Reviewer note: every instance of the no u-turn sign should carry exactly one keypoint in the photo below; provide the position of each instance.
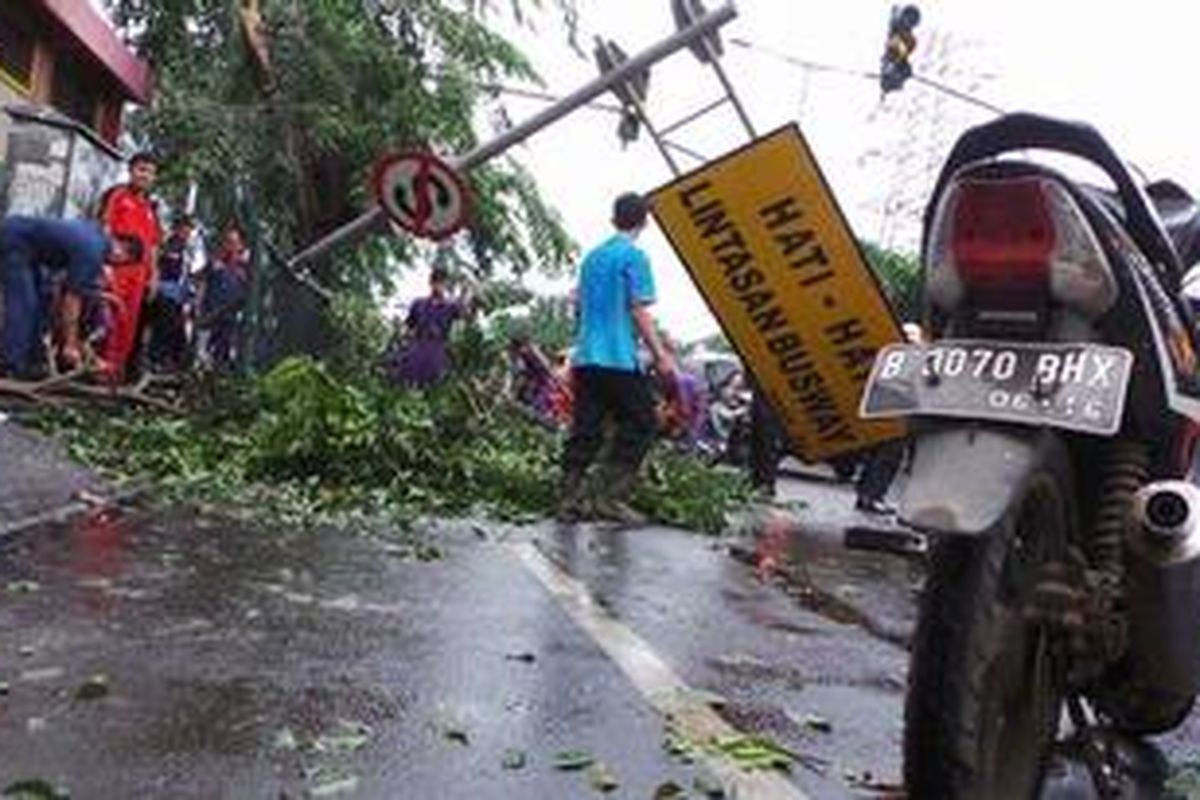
(422, 194)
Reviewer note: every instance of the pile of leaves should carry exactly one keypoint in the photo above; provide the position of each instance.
(302, 446)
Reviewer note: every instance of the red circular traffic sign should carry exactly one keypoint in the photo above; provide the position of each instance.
(422, 194)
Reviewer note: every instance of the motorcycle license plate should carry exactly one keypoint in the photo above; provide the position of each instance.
(1075, 386)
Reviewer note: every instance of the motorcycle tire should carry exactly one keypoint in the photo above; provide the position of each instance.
(1140, 710)
(984, 701)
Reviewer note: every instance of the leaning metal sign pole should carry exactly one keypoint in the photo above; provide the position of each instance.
(364, 225)
(708, 51)
(761, 234)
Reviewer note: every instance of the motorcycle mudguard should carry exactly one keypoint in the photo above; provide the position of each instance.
(964, 478)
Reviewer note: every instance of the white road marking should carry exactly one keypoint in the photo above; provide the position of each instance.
(655, 680)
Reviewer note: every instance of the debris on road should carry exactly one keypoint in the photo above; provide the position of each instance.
(456, 734)
(818, 723)
(514, 760)
(34, 790)
(94, 688)
(601, 778)
(347, 737)
(570, 760)
(755, 752)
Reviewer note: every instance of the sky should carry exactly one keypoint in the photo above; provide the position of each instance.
(1123, 68)
(1126, 69)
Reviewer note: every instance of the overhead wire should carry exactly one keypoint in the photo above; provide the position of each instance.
(817, 66)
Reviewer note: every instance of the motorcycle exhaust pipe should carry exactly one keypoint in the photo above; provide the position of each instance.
(1167, 523)
(1164, 585)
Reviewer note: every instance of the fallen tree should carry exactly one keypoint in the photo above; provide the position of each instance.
(306, 445)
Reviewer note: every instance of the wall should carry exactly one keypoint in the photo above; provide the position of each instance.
(7, 95)
(54, 168)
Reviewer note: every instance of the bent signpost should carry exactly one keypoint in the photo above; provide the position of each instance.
(369, 221)
(764, 240)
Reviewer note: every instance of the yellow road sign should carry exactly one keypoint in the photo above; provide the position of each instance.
(763, 238)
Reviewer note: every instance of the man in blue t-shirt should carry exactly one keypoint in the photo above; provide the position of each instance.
(30, 249)
(613, 297)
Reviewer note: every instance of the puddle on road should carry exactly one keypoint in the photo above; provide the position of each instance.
(801, 587)
(805, 575)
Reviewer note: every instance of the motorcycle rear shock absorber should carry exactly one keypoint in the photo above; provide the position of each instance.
(1125, 468)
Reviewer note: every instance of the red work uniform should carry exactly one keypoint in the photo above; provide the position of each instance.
(128, 213)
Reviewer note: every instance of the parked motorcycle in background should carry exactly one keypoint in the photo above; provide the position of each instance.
(1055, 413)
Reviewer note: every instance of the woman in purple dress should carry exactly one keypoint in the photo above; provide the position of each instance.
(426, 361)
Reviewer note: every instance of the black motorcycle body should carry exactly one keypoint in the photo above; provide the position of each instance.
(1055, 418)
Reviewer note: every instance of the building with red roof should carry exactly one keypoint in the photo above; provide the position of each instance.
(63, 54)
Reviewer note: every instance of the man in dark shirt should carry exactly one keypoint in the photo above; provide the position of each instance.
(32, 247)
(167, 309)
(224, 289)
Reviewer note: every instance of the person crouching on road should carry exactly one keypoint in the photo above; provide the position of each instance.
(615, 291)
(32, 247)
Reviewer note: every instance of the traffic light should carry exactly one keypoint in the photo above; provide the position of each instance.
(895, 68)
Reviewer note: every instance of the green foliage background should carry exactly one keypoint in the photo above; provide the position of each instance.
(290, 149)
(900, 275)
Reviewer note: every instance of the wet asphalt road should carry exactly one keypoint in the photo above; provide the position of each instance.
(160, 655)
(164, 655)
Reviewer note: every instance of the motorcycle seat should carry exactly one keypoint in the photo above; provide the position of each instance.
(1180, 214)
(1176, 209)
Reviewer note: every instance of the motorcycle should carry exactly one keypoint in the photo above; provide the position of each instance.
(1054, 413)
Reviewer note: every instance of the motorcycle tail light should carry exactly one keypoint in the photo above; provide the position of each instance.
(1011, 243)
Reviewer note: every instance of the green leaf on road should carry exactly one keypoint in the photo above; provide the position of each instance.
(34, 790)
(601, 778)
(285, 740)
(1184, 782)
(429, 552)
(709, 787)
(754, 752)
(669, 791)
(93, 688)
(680, 747)
(456, 734)
(348, 737)
(330, 783)
(514, 759)
(573, 760)
(818, 723)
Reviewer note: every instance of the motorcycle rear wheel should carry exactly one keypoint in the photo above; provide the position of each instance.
(985, 696)
(1142, 711)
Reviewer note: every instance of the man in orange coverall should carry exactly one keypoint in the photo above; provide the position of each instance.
(127, 210)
